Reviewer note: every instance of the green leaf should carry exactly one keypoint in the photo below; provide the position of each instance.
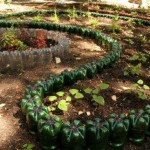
(63, 105)
(79, 95)
(125, 73)
(52, 98)
(60, 93)
(140, 82)
(104, 86)
(146, 87)
(88, 90)
(143, 97)
(95, 91)
(51, 108)
(73, 91)
(135, 86)
(68, 98)
(99, 99)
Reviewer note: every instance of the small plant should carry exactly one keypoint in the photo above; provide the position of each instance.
(21, 46)
(115, 27)
(38, 18)
(28, 146)
(140, 57)
(55, 18)
(39, 42)
(93, 23)
(133, 69)
(72, 13)
(64, 99)
(143, 39)
(94, 93)
(9, 41)
(88, 14)
(139, 89)
(130, 41)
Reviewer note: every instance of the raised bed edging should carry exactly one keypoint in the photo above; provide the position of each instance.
(31, 58)
(74, 135)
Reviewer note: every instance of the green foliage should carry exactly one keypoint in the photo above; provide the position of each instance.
(21, 46)
(60, 93)
(72, 13)
(115, 27)
(52, 98)
(73, 91)
(63, 105)
(93, 23)
(95, 93)
(130, 41)
(79, 95)
(55, 18)
(143, 39)
(140, 57)
(9, 41)
(98, 99)
(38, 18)
(28, 146)
(104, 86)
(139, 89)
(8, 38)
(133, 69)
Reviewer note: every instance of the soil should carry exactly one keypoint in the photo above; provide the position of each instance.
(13, 130)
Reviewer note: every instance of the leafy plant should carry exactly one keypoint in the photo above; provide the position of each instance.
(140, 57)
(60, 93)
(38, 18)
(9, 41)
(28, 146)
(73, 91)
(52, 98)
(139, 89)
(130, 41)
(143, 39)
(133, 69)
(94, 93)
(93, 23)
(72, 13)
(39, 42)
(63, 105)
(115, 27)
(55, 18)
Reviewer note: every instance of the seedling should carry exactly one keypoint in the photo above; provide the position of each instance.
(139, 89)
(93, 23)
(72, 13)
(55, 18)
(28, 146)
(133, 69)
(38, 18)
(140, 57)
(94, 93)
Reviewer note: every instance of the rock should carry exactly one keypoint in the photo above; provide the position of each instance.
(57, 60)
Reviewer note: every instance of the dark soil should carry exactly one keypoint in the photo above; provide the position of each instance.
(13, 130)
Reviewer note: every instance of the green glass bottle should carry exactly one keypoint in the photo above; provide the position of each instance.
(48, 131)
(119, 126)
(73, 135)
(139, 122)
(97, 134)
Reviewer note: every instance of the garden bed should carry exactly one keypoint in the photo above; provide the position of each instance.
(116, 98)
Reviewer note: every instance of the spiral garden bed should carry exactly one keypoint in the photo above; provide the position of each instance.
(114, 130)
